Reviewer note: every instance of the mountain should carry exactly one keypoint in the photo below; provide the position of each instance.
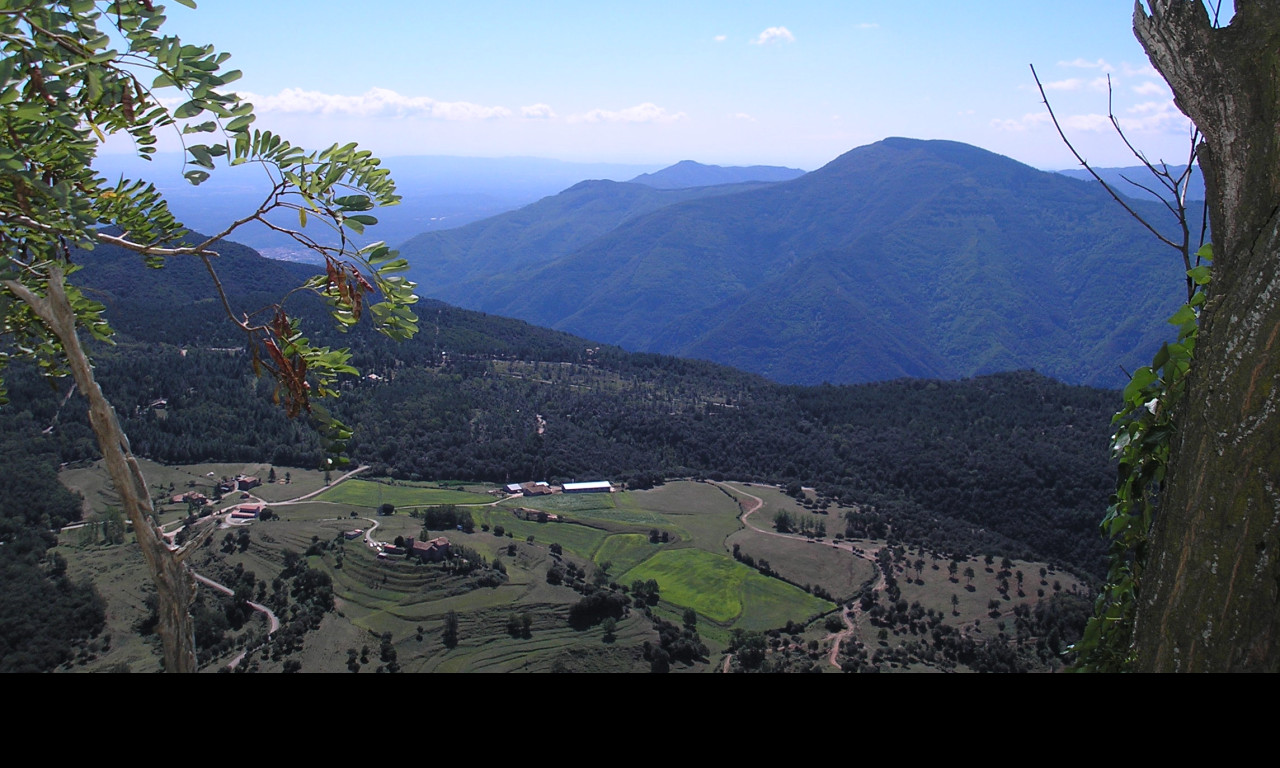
(1121, 180)
(688, 173)
(901, 258)
(539, 233)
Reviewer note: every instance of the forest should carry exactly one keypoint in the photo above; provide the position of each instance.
(1011, 464)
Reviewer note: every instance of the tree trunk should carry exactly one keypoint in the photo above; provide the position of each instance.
(1210, 595)
(175, 586)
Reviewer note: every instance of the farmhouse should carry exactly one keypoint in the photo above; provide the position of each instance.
(432, 551)
(246, 511)
(536, 489)
(598, 486)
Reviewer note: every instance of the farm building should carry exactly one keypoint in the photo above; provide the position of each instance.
(246, 511)
(599, 486)
(432, 551)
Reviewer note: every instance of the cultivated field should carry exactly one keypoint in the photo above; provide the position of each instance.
(393, 612)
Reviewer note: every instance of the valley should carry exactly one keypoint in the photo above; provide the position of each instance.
(871, 480)
(706, 546)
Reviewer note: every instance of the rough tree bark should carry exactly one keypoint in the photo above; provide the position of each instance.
(1210, 596)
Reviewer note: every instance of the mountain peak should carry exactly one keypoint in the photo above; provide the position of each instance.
(689, 173)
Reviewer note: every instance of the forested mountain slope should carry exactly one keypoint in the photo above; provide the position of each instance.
(905, 257)
(555, 226)
(1013, 463)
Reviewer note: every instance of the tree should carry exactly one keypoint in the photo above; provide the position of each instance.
(450, 634)
(63, 90)
(1212, 580)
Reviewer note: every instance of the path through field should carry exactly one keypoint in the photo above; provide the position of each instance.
(847, 614)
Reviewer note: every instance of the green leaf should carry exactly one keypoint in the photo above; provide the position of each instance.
(1141, 378)
(1199, 275)
(190, 109)
(1184, 315)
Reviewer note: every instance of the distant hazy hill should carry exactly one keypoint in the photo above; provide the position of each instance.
(1120, 180)
(902, 258)
(687, 173)
(439, 192)
(539, 233)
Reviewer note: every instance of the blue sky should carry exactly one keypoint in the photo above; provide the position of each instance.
(746, 82)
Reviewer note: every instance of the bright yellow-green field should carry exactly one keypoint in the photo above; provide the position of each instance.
(721, 589)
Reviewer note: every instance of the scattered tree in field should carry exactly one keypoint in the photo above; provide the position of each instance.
(450, 634)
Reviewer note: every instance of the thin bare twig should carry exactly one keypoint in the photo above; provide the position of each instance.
(1176, 186)
(1085, 163)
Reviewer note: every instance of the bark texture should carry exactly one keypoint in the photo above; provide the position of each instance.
(1210, 596)
(175, 585)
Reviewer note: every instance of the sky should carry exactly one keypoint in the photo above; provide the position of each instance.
(746, 82)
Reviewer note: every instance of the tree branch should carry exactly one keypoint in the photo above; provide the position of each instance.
(1085, 163)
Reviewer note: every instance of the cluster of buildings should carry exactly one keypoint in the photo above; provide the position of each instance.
(241, 483)
(544, 489)
(432, 551)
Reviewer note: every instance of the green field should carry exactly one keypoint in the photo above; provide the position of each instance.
(721, 589)
(373, 494)
(624, 551)
(408, 601)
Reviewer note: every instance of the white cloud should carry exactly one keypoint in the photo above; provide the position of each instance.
(1086, 64)
(721, 38)
(743, 116)
(641, 113)
(774, 35)
(1154, 116)
(1030, 120)
(1142, 70)
(538, 112)
(1149, 88)
(1091, 123)
(1151, 116)
(376, 102)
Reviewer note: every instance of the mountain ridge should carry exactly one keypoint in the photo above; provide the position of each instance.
(963, 260)
(689, 173)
